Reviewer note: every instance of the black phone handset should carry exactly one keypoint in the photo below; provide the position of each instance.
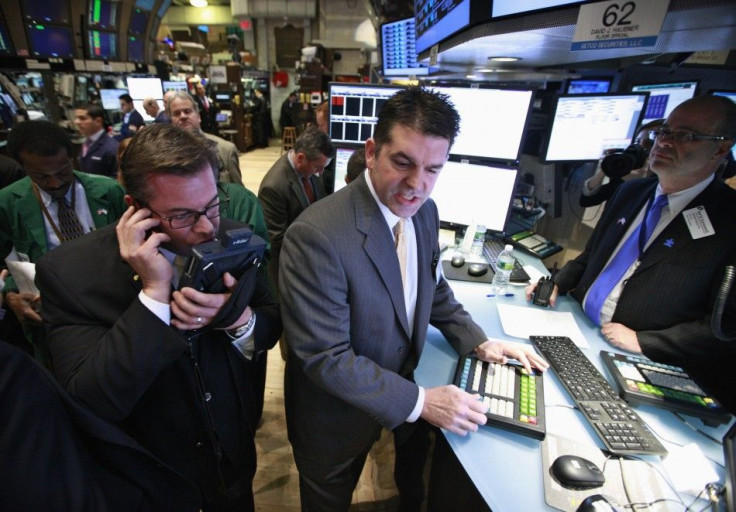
(721, 300)
(544, 289)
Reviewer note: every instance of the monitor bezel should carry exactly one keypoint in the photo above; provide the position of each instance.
(342, 147)
(32, 49)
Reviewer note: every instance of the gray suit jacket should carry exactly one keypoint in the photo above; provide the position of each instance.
(349, 371)
(229, 164)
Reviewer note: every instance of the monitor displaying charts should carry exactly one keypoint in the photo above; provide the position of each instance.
(398, 49)
(354, 110)
(663, 98)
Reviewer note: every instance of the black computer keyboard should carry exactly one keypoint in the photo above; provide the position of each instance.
(622, 430)
(492, 248)
(515, 399)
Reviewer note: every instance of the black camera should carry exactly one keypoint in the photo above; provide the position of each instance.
(236, 252)
(621, 162)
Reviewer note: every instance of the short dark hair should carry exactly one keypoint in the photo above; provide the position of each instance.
(42, 138)
(356, 164)
(94, 111)
(313, 143)
(127, 98)
(162, 149)
(423, 110)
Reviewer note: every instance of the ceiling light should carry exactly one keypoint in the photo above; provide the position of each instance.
(198, 3)
(502, 59)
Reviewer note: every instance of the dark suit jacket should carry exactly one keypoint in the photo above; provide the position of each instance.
(669, 299)
(208, 116)
(118, 358)
(101, 157)
(57, 455)
(282, 198)
(135, 119)
(351, 357)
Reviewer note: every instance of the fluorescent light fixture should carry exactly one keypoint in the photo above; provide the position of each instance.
(502, 59)
(198, 3)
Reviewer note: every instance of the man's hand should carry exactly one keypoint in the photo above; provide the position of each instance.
(621, 336)
(530, 292)
(139, 248)
(192, 309)
(498, 351)
(25, 306)
(453, 409)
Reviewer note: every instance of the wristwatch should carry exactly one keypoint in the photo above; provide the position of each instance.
(241, 331)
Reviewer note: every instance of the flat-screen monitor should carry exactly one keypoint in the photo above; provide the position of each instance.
(6, 45)
(469, 193)
(512, 7)
(174, 86)
(436, 21)
(102, 45)
(354, 109)
(588, 86)
(138, 21)
(164, 7)
(342, 155)
(103, 14)
(492, 121)
(584, 126)
(138, 105)
(50, 40)
(141, 88)
(223, 98)
(136, 49)
(49, 11)
(664, 97)
(730, 95)
(111, 98)
(146, 5)
(398, 49)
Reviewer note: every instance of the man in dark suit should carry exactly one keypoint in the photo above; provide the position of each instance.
(290, 186)
(207, 110)
(356, 318)
(661, 302)
(99, 154)
(170, 368)
(132, 119)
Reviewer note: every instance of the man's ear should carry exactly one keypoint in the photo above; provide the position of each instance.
(370, 153)
(130, 201)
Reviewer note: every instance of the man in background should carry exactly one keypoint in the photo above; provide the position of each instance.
(289, 108)
(356, 165)
(99, 151)
(150, 105)
(132, 119)
(183, 113)
(207, 109)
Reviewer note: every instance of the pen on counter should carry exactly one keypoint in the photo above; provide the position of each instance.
(500, 295)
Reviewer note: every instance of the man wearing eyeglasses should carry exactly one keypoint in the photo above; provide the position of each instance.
(46, 209)
(154, 361)
(650, 273)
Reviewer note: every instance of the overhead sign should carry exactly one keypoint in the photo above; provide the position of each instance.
(617, 24)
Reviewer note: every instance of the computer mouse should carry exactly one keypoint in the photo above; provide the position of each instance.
(596, 503)
(573, 472)
(458, 260)
(477, 269)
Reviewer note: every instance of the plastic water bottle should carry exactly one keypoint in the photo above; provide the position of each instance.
(504, 266)
(476, 249)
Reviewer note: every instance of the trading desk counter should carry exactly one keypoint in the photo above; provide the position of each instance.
(507, 467)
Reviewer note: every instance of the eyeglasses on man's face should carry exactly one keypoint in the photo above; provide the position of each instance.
(683, 136)
(191, 217)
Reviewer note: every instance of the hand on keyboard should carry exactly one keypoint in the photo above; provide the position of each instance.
(499, 351)
(453, 409)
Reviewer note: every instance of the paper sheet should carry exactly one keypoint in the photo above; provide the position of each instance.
(23, 273)
(523, 321)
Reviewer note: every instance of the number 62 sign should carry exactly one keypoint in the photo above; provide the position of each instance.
(619, 24)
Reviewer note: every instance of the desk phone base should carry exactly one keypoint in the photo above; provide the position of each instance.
(622, 430)
(515, 399)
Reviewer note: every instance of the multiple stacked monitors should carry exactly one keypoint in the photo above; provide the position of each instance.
(492, 121)
(588, 86)
(342, 155)
(398, 49)
(584, 126)
(663, 98)
(111, 98)
(354, 109)
(468, 193)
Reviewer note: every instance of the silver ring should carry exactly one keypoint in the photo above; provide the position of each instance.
(199, 320)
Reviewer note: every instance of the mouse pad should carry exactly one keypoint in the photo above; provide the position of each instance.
(642, 481)
(461, 273)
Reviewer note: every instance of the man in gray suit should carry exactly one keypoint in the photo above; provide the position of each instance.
(356, 327)
(183, 112)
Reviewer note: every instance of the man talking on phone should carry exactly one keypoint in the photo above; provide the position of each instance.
(158, 362)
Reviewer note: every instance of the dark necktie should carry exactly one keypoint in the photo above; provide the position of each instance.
(622, 261)
(69, 224)
(307, 183)
(85, 147)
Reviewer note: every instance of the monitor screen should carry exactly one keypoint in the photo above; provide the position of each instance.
(663, 98)
(354, 109)
(146, 5)
(492, 121)
(469, 193)
(138, 104)
(511, 7)
(56, 11)
(136, 49)
(436, 21)
(174, 86)
(111, 98)
(583, 126)
(342, 155)
(50, 40)
(138, 21)
(398, 49)
(102, 45)
(6, 45)
(732, 96)
(103, 14)
(142, 88)
(164, 7)
(588, 86)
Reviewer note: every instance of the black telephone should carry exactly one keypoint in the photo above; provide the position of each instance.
(544, 289)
